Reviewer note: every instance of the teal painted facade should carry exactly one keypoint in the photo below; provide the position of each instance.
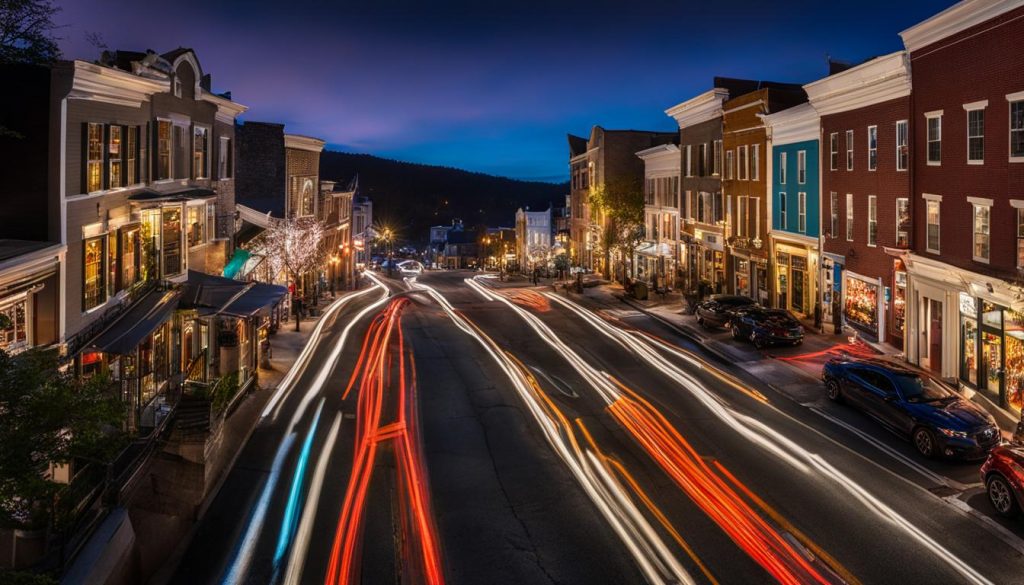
(786, 194)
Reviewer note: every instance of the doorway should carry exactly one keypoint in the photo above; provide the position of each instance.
(931, 335)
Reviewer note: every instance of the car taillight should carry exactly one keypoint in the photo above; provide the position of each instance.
(778, 331)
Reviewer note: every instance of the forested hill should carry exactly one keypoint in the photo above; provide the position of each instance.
(412, 197)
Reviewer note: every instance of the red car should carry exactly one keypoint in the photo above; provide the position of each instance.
(1003, 474)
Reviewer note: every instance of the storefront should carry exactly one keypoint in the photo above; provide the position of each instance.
(741, 274)
(898, 322)
(711, 261)
(861, 302)
(992, 350)
(794, 284)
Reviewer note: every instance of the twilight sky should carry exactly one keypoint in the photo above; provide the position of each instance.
(482, 85)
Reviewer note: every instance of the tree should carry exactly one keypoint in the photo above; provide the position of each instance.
(621, 203)
(26, 32)
(49, 417)
(294, 246)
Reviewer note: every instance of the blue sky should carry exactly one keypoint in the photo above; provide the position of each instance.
(487, 86)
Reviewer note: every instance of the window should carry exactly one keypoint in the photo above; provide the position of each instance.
(716, 168)
(129, 256)
(801, 211)
(834, 219)
(729, 161)
(982, 220)
(849, 217)
(224, 158)
(782, 211)
(93, 286)
(171, 241)
(1017, 130)
(199, 152)
(801, 167)
(132, 153)
(177, 87)
(196, 225)
(782, 168)
(94, 162)
(163, 149)
(833, 148)
(976, 136)
(902, 222)
(934, 138)
(849, 150)
(1020, 238)
(741, 161)
(15, 334)
(902, 150)
(872, 148)
(114, 156)
(872, 220)
(702, 160)
(112, 264)
(932, 216)
(689, 160)
(755, 162)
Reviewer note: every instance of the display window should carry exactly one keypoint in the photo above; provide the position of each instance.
(742, 268)
(899, 301)
(1013, 372)
(861, 306)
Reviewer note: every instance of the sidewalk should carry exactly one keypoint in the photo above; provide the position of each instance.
(795, 371)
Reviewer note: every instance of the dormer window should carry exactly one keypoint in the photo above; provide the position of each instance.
(177, 87)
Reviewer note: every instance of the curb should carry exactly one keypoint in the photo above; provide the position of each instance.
(703, 342)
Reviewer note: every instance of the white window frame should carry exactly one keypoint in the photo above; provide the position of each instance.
(1011, 99)
(849, 217)
(928, 117)
(872, 220)
(1018, 208)
(755, 162)
(834, 214)
(979, 203)
(801, 211)
(177, 86)
(904, 124)
(849, 150)
(730, 164)
(782, 168)
(833, 151)
(968, 109)
(716, 163)
(801, 167)
(689, 160)
(872, 148)
(782, 211)
(207, 134)
(905, 201)
(170, 151)
(742, 163)
(937, 201)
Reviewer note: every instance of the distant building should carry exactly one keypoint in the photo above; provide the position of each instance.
(659, 253)
(362, 228)
(533, 239)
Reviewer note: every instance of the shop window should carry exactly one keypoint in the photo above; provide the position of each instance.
(94, 162)
(1017, 131)
(93, 287)
(902, 222)
(1014, 358)
(872, 148)
(899, 299)
(833, 148)
(982, 220)
(13, 329)
(872, 220)
(171, 241)
(968, 340)
(849, 150)
(1020, 237)
(976, 136)
(782, 168)
(862, 303)
(902, 146)
(114, 156)
(199, 152)
(932, 236)
(934, 130)
(163, 149)
(149, 242)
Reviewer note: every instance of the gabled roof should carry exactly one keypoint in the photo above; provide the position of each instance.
(577, 145)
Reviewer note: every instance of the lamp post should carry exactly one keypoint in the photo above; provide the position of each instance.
(387, 236)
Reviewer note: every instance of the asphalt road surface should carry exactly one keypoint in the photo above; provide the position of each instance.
(460, 429)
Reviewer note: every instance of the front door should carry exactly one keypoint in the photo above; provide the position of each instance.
(935, 336)
(797, 300)
(991, 362)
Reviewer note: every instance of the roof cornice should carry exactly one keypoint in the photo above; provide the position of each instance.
(658, 151)
(706, 106)
(227, 110)
(796, 124)
(106, 84)
(957, 18)
(876, 81)
(300, 142)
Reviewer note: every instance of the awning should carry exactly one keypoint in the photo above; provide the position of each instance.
(216, 295)
(127, 332)
(177, 195)
(247, 232)
(661, 249)
(236, 263)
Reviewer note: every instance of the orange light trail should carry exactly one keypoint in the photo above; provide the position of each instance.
(374, 372)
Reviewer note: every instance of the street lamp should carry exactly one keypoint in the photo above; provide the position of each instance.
(387, 235)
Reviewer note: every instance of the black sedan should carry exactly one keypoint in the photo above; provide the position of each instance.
(719, 310)
(764, 326)
(913, 404)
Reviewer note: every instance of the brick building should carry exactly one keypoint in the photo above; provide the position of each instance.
(607, 157)
(746, 183)
(865, 188)
(966, 297)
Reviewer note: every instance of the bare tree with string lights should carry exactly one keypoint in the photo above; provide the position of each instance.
(294, 246)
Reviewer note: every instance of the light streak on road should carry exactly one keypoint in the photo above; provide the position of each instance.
(373, 370)
(243, 555)
(290, 521)
(657, 563)
(766, 437)
(297, 558)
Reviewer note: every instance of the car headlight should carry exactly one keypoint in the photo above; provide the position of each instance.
(952, 433)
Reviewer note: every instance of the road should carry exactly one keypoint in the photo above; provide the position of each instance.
(456, 429)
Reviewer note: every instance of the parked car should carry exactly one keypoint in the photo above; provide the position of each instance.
(1003, 474)
(719, 310)
(764, 326)
(914, 404)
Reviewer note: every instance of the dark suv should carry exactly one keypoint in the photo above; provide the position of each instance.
(913, 404)
(719, 310)
(764, 326)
